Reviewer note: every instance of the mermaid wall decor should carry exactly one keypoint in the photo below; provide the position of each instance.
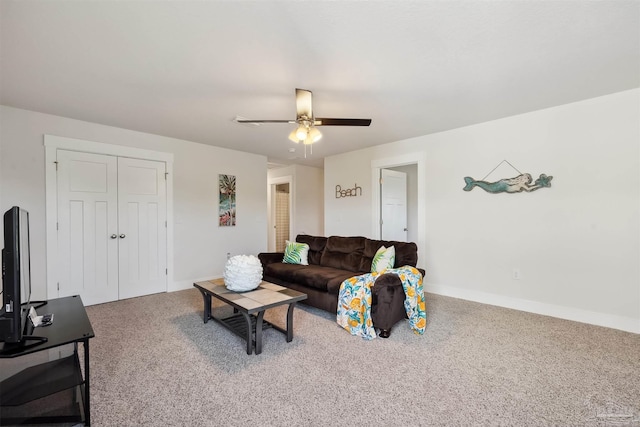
(517, 184)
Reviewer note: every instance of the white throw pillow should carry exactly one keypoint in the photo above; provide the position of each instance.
(384, 259)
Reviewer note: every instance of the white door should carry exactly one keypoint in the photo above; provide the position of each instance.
(111, 226)
(393, 197)
(142, 227)
(87, 226)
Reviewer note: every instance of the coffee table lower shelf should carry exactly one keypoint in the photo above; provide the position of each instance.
(237, 323)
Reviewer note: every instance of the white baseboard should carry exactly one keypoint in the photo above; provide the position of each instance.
(627, 324)
(188, 284)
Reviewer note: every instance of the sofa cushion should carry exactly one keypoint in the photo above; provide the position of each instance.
(323, 278)
(313, 276)
(280, 270)
(333, 285)
(316, 246)
(344, 253)
(406, 253)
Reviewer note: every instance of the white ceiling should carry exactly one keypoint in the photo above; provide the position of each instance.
(186, 69)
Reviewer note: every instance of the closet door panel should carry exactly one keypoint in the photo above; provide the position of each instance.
(142, 225)
(87, 221)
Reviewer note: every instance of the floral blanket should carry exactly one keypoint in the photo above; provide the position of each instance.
(354, 302)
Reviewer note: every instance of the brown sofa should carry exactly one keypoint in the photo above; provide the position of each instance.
(335, 259)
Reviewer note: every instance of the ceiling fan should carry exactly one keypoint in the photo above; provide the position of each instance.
(306, 132)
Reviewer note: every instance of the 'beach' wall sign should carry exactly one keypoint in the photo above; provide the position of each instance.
(348, 192)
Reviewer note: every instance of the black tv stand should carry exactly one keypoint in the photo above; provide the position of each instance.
(15, 348)
(18, 347)
(37, 304)
(60, 375)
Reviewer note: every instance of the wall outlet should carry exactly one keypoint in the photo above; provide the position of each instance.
(515, 274)
(228, 255)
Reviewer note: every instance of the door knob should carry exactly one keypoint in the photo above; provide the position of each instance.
(113, 236)
(122, 236)
(404, 229)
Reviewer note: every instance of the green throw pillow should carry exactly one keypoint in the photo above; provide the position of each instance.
(383, 259)
(296, 253)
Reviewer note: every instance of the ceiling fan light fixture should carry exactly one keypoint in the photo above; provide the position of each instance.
(293, 136)
(314, 135)
(302, 132)
(306, 131)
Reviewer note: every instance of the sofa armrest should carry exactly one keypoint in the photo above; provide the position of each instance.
(387, 305)
(267, 258)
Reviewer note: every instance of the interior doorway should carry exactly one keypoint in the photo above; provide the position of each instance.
(280, 192)
(108, 220)
(111, 226)
(282, 218)
(414, 165)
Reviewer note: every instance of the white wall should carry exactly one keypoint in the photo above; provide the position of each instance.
(576, 244)
(348, 216)
(309, 206)
(306, 198)
(200, 246)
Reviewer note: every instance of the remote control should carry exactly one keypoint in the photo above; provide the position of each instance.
(47, 319)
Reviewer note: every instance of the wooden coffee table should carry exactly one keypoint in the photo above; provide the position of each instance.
(249, 307)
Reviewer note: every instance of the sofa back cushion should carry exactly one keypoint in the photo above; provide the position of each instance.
(316, 247)
(406, 253)
(345, 253)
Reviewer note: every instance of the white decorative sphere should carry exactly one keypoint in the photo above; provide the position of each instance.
(242, 273)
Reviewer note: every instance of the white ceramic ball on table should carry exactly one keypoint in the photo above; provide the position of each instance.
(242, 273)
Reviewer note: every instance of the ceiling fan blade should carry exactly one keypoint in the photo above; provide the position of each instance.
(342, 122)
(264, 121)
(304, 115)
(303, 103)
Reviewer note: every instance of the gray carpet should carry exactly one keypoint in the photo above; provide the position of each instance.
(154, 362)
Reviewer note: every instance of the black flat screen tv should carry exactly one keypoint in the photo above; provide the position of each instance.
(16, 278)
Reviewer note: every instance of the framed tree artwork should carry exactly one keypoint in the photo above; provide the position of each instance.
(227, 204)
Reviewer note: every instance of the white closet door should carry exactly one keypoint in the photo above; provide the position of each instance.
(87, 226)
(142, 207)
(393, 188)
